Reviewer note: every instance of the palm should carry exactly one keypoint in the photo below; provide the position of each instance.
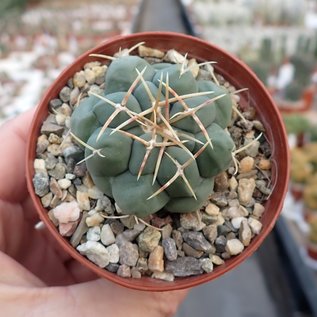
(29, 257)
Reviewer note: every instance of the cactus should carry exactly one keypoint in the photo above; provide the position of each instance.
(156, 137)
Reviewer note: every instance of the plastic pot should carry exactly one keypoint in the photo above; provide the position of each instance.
(239, 75)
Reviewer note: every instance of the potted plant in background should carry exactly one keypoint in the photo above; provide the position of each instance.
(172, 149)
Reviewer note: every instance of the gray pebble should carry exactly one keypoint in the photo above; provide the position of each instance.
(41, 184)
(207, 265)
(184, 266)
(114, 255)
(190, 221)
(177, 236)
(132, 234)
(197, 241)
(74, 152)
(210, 232)
(220, 244)
(129, 254)
(49, 127)
(104, 204)
(170, 250)
(112, 267)
(59, 171)
(65, 94)
(135, 273)
(116, 226)
(93, 233)
(80, 231)
(189, 251)
(55, 103)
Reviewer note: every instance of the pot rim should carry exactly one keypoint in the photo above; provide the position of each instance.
(145, 283)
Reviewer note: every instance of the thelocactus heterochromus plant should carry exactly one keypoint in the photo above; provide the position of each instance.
(157, 136)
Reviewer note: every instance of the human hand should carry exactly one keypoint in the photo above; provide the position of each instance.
(37, 278)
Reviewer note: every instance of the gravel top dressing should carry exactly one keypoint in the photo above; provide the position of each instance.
(155, 236)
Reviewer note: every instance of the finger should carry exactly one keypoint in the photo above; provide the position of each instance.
(13, 137)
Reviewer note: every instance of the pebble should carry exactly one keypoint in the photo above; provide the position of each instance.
(219, 199)
(128, 222)
(207, 219)
(145, 51)
(234, 212)
(246, 164)
(132, 234)
(114, 254)
(95, 252)
(74, 96)
(220, 244)
(65, 109)
(212, 209)
(142, 265)
(50, 161)
(46, 200)
(207, 265)
(54, 149)
(170, 249)
(93, 233)
(236, 222)
(245, 233)
(163, 276)
(104, 204)
(39, 165)
(64, 183)
(210, 232)
(149, 239)
(184, 266)
(189, 251)
(129, 254)
(87, 181)
(41, 183)
(67, 212)
(80, 231)
(264, 164)
(167, 231)
(190, 221)
(233, 184)
(112, 267)
(67, 229)
(55, 103)
(60, 119)
(193, 67)
(253, 149)
(124, 271)
(258, 210)
(234, 246)
(64, 94)
(197, 241)
(135, 273)
(55, 201)
(79, 79)
(42, 144)
(255, 225)
(59, 171)
(49, 127)
(116, 226)
(90, 76)
(80, 170)
(55, 139)
(177, 236)
(83, 200)
(217, 260)
(156, 262)
(221, 182)
(73, 151)
(261, 186)
(94, 220)
(107, 237)
(174, 57)
(245, 190)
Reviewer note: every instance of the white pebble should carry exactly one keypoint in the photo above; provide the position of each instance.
(113, 251)
(39, 165)
(95, 252)
(93, 234)
(255, 225)
(234, 246)
(95, 220)
(236, 222)
(107, 236)
(64, 183)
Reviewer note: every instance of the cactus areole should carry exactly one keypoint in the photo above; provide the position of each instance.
(156, 138)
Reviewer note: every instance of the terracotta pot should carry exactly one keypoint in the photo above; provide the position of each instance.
(237, 74)
(312, 250)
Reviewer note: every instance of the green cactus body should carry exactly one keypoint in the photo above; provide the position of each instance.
(156, 138)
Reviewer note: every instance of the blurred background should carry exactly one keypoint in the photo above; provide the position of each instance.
(276, 38)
